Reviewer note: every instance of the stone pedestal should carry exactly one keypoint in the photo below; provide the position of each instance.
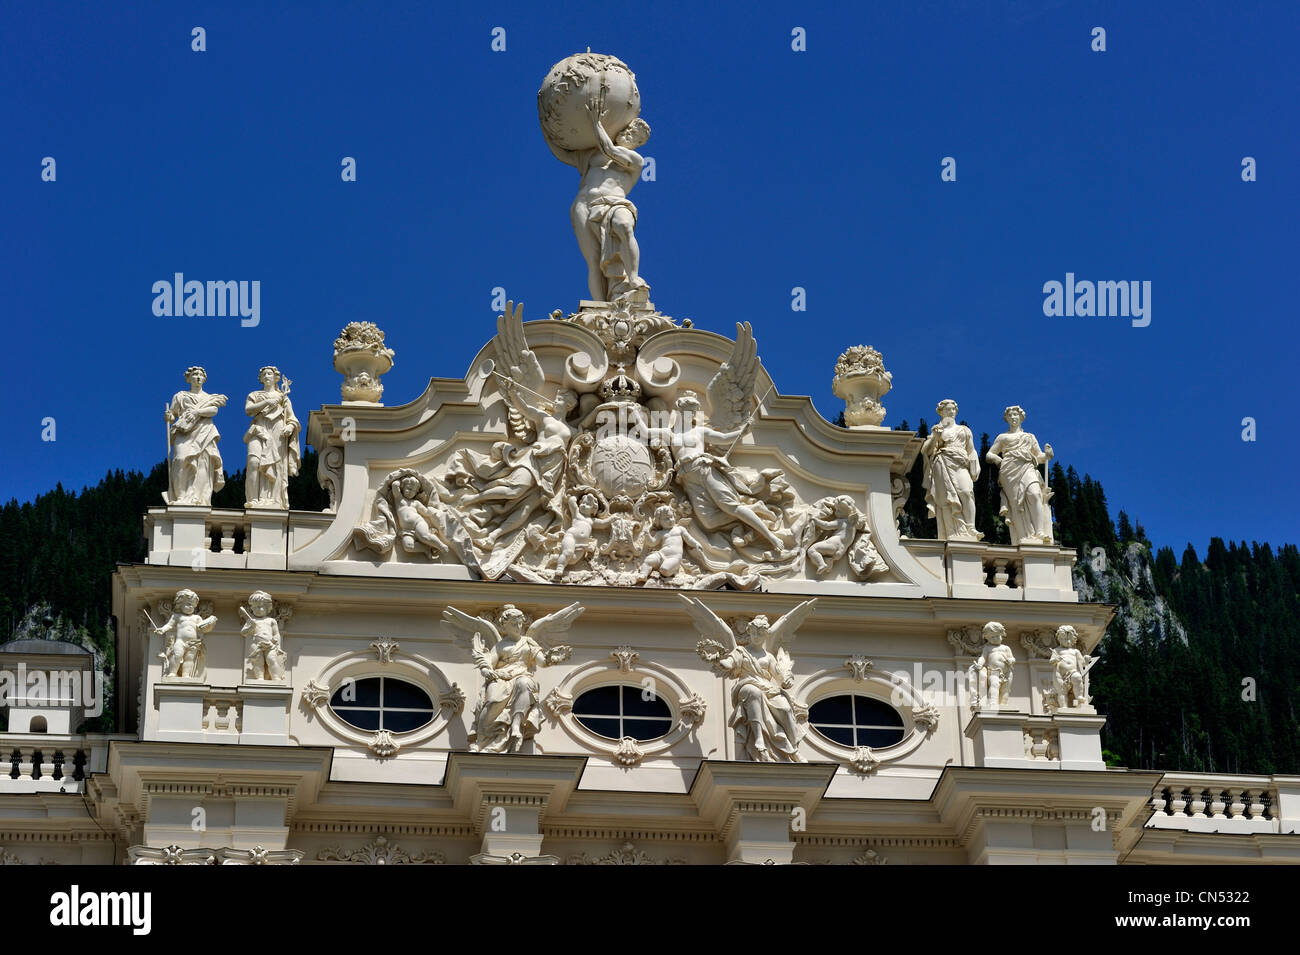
(180, 711)
(266, 713)
(1039, 563)
(999, 738)
(1080, 739)
(268, 539)
(189, 540)
(966, 569)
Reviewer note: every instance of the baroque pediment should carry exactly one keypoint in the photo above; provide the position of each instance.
(613, 446)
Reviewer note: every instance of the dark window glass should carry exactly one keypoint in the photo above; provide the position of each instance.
(835, 709)
(382, 703)
(607, 728)
(357, 693)
(857, 721)
(634, 703)
(403, 721)
(406, 696)
(361, 719)
(602, 701)
(869, 711)
(618, 711)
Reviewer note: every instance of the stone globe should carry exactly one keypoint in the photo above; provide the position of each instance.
(578, 81)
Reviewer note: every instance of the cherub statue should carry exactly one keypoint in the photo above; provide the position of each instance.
(508, 711)
(579, 538)
(764, 714)
(183, 656)
(266, 657)
(989, 677)
(668, 542)
(838, 518)
(1069, 670)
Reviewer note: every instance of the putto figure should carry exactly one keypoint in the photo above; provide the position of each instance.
(988, 679)
(1024, 494)
(182, 655)
(272, 439)
(769, 724)
(266, 656)
(1070, 668)
(195, 470)
(507, 656)
(951, 468)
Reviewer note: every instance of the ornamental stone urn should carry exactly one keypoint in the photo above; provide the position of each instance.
(861, 380)
(361, 358)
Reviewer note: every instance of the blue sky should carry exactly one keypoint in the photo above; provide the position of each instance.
(774, 169)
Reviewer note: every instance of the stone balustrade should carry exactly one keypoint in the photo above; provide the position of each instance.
(35, 762)
(204, 537)
(1224, 803)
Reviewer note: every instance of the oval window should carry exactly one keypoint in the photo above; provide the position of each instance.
(852, 720)
(382, 703)
(615, 712)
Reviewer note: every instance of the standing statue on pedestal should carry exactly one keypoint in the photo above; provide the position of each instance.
(599, 93)
(508, 711)
(1070, 668)
(1024, 490)
(765, 716)
(951, 468)
(266, 656)
(988, 679)
(272, 439)
(194, 472)
(182, 655)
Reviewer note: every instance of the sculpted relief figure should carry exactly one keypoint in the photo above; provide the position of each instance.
(508, 654)
(1024, 493)
(769, 724)
(604, 219)
(988, 679)
(951, 468)
(195, 471)
(1070, 668)
(182, 654)
(410, 508)
(266, 657)
(722, 497)
(272, 439)
(500, 492)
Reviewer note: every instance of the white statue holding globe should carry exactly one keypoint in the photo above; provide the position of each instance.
(589, 109)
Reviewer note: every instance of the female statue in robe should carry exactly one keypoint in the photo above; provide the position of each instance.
(272, 439)
(1024, 495)
(951, 467)
(195, 468)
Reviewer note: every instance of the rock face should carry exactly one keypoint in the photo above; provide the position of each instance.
(1130, 585)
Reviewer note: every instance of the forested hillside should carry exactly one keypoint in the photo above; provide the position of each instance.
(1200, 669)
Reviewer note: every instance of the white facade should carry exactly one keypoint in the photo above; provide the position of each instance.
(217, 765)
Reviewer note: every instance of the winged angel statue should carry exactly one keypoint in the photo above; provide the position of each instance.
(519, 481)
(769, 723)
(508, 655)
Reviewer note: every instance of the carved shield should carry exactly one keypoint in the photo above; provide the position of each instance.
(621, 465)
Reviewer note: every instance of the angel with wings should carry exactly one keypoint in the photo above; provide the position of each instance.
(507, 656)
(720, 496)
(764, 714)
(517, 479)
